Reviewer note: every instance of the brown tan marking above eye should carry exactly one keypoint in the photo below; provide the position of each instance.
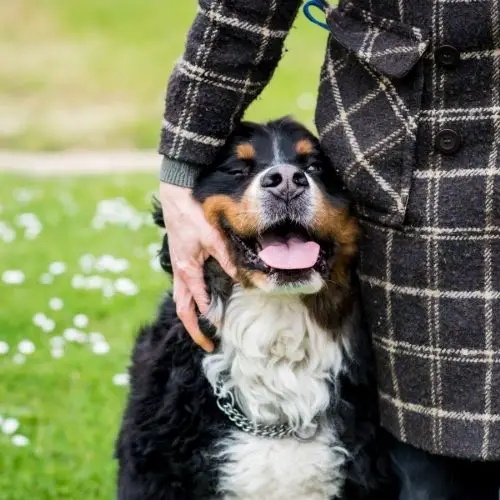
(304, 147)
(245, 151)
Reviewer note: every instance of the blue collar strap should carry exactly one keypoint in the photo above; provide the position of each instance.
(318, 4)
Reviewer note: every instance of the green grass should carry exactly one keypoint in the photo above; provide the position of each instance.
(91, 74)
(68, 407)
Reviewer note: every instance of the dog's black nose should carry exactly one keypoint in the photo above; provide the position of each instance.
(285, 182)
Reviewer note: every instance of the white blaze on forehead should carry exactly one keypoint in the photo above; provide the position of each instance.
(278, 156)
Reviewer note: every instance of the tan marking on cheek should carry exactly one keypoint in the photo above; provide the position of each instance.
(245, 151)
(337, 224)
(242, 216)
(253, 279)
(304, 147)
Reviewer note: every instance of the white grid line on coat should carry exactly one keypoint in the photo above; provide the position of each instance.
(436, 412)
(463, 118)
(457, 172)
(234, 22)
(488, 271)
(397, 104)
(429, 212)
(448, 111)
(430, 292)
(192, 136)
(442, 233)
(436, 245)
(213, 83)
(191, 96)
(390, 326)
(214, 77)
(350, 111)
(462, 353)
(401, 350)
(260, 55)
(384, 185)
(379, 149)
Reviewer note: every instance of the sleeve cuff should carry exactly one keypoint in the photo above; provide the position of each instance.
(178, 173)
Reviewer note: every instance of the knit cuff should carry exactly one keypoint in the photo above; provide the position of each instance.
(178, 173)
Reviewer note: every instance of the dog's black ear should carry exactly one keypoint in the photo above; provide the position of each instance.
(157, 212)
(165, 261)
(164, 254)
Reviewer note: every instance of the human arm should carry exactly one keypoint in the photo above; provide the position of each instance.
(231, 52)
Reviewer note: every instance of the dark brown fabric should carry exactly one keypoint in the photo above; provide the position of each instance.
(430, 250)
(231, 53)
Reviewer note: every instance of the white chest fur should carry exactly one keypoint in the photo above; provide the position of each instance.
(258, 468)
(279, 363)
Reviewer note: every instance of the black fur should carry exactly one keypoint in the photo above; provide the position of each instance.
(172, 422)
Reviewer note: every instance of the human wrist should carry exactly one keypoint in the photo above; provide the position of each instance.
(178, 173)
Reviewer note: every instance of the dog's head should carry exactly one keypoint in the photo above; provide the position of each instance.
(277, 202)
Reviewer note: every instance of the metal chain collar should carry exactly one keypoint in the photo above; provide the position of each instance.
(226, 403)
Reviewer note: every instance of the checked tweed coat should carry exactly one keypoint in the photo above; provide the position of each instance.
(409, 114)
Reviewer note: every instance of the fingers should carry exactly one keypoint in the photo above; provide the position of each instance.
(191, 274)
(216, 247)
(187, 314)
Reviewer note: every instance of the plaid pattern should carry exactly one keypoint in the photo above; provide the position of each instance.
(430, 252)
(232, 50)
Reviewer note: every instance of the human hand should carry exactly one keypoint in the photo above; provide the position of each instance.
(191, 241)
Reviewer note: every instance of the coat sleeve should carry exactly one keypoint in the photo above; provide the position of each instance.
(232, 50)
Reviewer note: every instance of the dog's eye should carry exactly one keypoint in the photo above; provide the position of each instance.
(240, 170)
(314, 168)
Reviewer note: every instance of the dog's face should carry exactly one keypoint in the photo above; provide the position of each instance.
(276, 200)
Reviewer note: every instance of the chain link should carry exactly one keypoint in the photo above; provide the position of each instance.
(226, 403)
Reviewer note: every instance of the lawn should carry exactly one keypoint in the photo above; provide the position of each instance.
(91, 74)
(68, 407)
(88, 75)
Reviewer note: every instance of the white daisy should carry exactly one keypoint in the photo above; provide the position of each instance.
(57, 352)
(71, 334)
(20, 440)
(4, 347)
(121, 379)
(39, 319)
(48, 325)
(100, 348)
(7, 234)
(57, 268)
(10, 425)
(13, 277)
(126, 286)
(56, 304)
(81, 321)
(26, 347)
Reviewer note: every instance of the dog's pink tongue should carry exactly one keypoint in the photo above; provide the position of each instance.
(290, 253)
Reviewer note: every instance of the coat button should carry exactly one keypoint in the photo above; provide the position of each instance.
(447, 56)
(448, 141)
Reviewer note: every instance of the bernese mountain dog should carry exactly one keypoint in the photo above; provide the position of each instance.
(285, 408)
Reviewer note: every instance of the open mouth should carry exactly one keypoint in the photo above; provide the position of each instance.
(285, 248)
